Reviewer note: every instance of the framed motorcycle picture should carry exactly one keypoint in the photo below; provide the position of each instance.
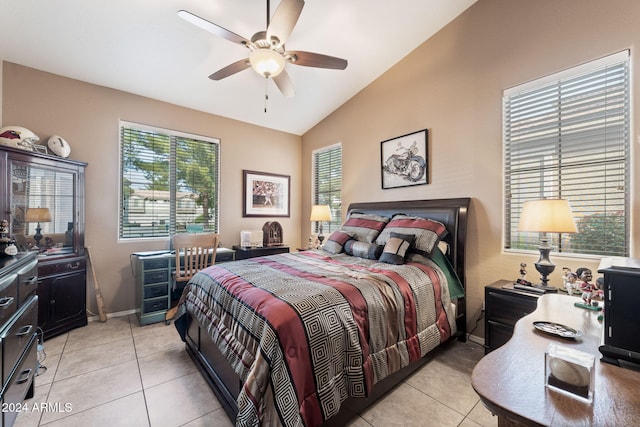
(405, 160)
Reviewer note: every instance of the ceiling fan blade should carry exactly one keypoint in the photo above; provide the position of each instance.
(284, 19)
(213, 28)
(284, 83)
(310, 59)
(230, 69)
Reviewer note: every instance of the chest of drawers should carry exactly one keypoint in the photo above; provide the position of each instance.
(504, 306)
(154, 290)
(18, 337)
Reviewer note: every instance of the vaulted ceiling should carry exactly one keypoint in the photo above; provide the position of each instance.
(143, 47)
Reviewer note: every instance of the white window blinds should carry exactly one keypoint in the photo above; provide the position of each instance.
(168, 181)
(567, 136)
(327, 184)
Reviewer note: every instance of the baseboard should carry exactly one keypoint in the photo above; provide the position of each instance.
(95, 318)
(476, 339)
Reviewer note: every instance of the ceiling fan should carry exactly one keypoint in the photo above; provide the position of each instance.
(268, 55)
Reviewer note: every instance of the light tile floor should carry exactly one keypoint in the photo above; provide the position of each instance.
(121, 374)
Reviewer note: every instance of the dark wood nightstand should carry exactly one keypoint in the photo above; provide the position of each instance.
(504, 306)
(244, 253)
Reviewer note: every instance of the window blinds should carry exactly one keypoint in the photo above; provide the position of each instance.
(327, 184)
(568, 137)
(168, 180)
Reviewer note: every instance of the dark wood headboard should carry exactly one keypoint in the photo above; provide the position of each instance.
(451, 212)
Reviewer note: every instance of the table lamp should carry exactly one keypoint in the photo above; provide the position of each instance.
(546, 216)
(38, 215)
(320, 213)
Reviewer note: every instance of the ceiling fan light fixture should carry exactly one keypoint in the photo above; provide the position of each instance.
(266, 62)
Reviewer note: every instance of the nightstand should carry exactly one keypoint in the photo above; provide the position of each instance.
(504, 306)
(245, 253)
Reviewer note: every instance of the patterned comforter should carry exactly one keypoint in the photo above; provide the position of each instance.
(304, 331)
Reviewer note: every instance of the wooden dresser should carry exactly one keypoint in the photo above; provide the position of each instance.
(42, 182)
(18, 336)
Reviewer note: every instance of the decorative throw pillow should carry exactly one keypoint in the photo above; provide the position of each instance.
(335, 242)
(363, 249)
(427, 232)
(365, 227)
(396, 248)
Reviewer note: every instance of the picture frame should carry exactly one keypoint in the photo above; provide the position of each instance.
(405, 160)
(266, 194)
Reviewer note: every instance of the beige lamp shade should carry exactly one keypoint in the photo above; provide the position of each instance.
(547, 216)
(38, 215)
(320, 213)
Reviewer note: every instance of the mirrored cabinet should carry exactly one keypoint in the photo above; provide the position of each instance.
(43, 201)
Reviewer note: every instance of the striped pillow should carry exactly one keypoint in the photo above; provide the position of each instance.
(363, 249)
(335, 242)
(427, 232)
(396, 248)
(365, 227)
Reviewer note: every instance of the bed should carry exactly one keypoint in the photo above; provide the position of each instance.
(314, 337)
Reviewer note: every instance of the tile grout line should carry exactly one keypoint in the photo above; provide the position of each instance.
(135, 351)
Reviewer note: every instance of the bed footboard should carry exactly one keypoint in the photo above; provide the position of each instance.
(215, 369)
(226, 384)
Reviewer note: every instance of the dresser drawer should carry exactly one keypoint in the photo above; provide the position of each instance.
(56, 267)
(8, 297)
(20, 381)
(508, 309)
(497, 334)
(154, 291)
(27, 281)
(158, 276)
(16, 335)
(155, 264)
(155, 305)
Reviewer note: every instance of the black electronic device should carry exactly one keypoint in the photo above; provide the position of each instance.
(525, 285)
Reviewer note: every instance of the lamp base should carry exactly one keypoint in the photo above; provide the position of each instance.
(544, 264)
(38, 236)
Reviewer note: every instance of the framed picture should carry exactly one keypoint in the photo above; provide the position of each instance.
(265, 194)
(404, 160)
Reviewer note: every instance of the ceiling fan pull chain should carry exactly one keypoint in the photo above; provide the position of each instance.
(266, 95)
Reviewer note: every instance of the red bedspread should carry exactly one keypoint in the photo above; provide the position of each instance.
(305, 331)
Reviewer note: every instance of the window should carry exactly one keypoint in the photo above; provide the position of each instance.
(327, 184)
(168, 180)
(567, 136)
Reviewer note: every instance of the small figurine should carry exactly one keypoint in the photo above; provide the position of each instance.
(586, 286)
(571, 280)
(523, 271)
(7, 243)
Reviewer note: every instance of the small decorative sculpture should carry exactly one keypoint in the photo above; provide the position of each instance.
(569, 279)
(586, 286)
(272, 234)
(7, 243)
(523, 271)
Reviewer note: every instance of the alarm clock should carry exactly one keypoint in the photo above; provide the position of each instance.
(59, 146)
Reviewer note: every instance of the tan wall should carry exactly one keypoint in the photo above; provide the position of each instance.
(87, 116)
(452, 85)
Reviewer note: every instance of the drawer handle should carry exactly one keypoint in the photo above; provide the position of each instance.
(25, 330)
(6, 302)
(24, 376)
(73, 266)
(31, 280)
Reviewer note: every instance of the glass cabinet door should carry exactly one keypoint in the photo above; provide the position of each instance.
(42, 207)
